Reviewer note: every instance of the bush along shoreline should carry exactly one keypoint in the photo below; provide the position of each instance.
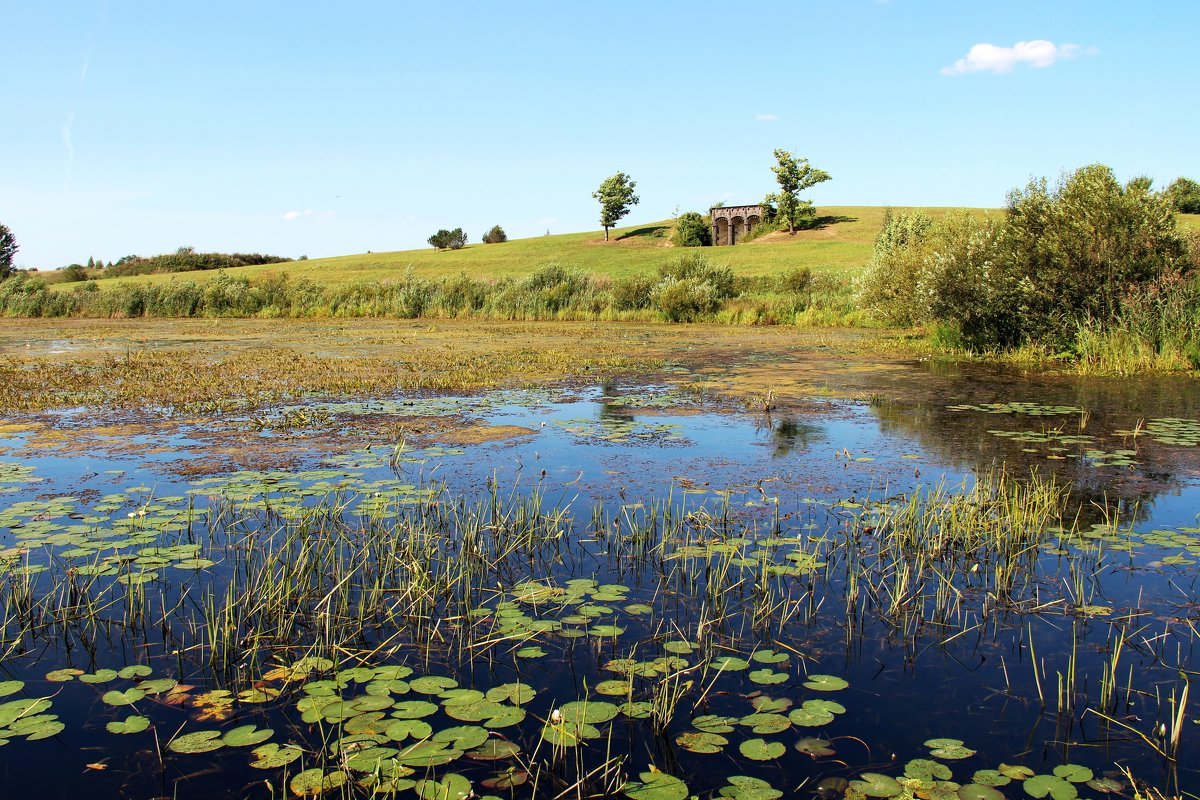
(686, 289)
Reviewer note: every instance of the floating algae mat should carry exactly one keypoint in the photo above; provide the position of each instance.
(646, 594)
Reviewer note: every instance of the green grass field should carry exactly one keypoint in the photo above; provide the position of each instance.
(842, 243)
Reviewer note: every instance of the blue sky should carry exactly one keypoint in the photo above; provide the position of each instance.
(304, 128)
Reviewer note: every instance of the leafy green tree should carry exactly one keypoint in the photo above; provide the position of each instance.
(616, 198)
(448, 240)
(495, 235)
(692, 230)
(1184, 195)
(1078, 248)
(8, 251)
(794, 175)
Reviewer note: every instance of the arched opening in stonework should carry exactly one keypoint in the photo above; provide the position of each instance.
(737, 230)
(751, 222)
(722, 233)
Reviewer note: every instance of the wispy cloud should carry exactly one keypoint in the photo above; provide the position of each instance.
(1039, 53)
(307, 213)
(766, 117)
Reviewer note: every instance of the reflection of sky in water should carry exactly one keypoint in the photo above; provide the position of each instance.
(839, 451)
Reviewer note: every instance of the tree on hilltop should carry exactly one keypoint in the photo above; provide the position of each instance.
(616, 198)
(448, 240)
(8, 251)
(1184, 195)
(495, 235)
(794, 176)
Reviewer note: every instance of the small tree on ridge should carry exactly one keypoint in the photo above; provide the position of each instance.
(616, 197)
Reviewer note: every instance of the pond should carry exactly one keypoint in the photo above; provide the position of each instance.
(977, 584)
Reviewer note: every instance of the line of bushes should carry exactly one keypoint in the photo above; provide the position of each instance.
(1088, 270)
(686, 289)
(185, 259)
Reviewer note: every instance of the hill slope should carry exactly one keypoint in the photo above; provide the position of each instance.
(842, 242)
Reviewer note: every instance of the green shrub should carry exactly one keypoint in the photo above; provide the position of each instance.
(696, 268)
(893, 283)
(692, 230)
(495, 235)
(632, 293)
(1184, 195)
(448, 240)
(685, 299)
(797, 280)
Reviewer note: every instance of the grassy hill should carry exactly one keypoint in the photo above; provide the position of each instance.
(841, 243)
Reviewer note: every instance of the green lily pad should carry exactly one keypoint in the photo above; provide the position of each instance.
(743, 787)
(976, 791)
(614, 688)
(428, 754)
(125, 698)
(462, 737)
(592, 712)
(273, 756)
(316, 782)
(1015, 771)
(134, 671)
(450, 787)
(131, 724)
(10, 687)
(400, 729)
(656, 786)
(246, 736)
(826, 683)
(432, 684)
(817, 748)
(413, 709)
(495, 750)
(99, 676)
(568, 734)
(729, 664)
(766, 723)
(515, 693)
(769, 657)
(1040, 786)
(714, 723)
(761, 749)
(924, 769)
(61, 675)
(198, 742)
(638, 709)
(991, 777)
(1107, 785)
(874, 784)
(1073, 773)
(768, 676)
(701, 742)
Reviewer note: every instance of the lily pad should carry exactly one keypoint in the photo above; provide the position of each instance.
(246, 736)
(976, 791)
(125, 698)
(316, 782)
(701, 742)
(273, 756)
(875, 784)
(198, 742)
(1073, 773)
(761, 749)
(131, 724)
(826, 683)
(656, 786)
(817, 748)
(1040, 786)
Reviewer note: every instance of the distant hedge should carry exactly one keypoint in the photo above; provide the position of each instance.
(185, 260)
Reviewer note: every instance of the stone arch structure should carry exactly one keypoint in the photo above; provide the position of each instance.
(730, 224)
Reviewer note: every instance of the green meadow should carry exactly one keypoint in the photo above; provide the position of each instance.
(841, 244)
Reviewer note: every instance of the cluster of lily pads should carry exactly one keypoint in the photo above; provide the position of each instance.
(612, 430)
(1169, 430)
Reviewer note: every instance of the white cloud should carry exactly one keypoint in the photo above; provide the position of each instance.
(986, 57)
(307, 213)
(766, 117)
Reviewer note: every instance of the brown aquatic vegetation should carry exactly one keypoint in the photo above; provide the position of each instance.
(204, 366)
